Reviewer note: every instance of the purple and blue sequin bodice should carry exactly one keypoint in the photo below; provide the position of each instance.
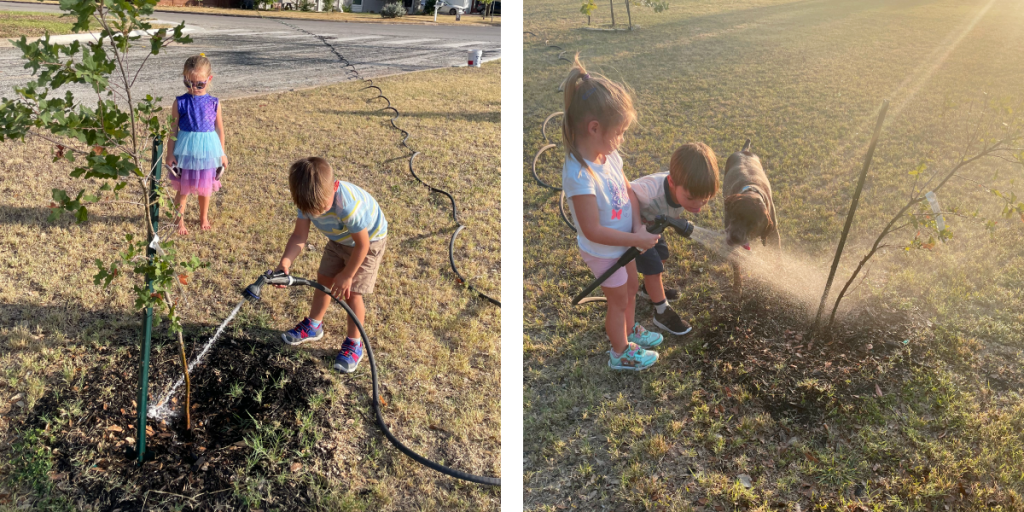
(197, 113)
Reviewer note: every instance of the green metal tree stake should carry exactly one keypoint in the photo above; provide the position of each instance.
(154, 214)
(849, 216)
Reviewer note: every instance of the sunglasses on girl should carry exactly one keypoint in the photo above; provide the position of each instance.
(196, 84)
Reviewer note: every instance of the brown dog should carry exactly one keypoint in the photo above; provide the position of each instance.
(749, 210)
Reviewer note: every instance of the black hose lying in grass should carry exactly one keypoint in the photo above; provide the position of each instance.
(380, 94)
(252, 293)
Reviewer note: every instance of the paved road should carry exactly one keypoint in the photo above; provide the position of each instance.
(257, 56)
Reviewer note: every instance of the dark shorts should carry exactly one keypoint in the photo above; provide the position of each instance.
(649, 262)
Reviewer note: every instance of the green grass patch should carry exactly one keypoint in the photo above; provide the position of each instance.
(14, 24)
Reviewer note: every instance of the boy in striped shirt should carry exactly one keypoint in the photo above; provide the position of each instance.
(353, 221)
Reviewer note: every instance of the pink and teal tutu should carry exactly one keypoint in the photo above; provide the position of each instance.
(198, 155)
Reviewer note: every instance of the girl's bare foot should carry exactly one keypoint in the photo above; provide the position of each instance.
(205, 224)
(182, 230)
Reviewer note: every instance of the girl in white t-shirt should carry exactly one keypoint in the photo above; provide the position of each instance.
(606, 213)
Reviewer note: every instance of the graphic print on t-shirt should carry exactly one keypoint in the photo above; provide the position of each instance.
(619, 198)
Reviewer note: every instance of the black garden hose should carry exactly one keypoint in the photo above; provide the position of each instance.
(682, 226)
(253, 294)
(459, 226)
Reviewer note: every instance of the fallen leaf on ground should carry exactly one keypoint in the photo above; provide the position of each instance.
(296, 466)
(745, 481)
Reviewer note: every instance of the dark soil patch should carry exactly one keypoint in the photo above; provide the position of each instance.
(94, 459)
(762, 343)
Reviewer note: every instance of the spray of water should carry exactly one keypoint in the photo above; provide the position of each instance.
(161, 410)
(794, 275)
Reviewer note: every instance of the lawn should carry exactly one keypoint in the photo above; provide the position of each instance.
(914, 400)
(14, 24)
(273, 427)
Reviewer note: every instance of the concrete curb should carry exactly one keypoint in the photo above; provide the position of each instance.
(88, 36)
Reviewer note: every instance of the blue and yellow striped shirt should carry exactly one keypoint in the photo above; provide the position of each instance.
(354, 210)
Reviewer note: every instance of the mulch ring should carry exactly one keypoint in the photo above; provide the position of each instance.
(762, 343)
(94, 458)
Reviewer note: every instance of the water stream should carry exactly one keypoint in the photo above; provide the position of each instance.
(161, 410)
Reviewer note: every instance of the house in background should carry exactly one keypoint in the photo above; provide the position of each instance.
(367, 5)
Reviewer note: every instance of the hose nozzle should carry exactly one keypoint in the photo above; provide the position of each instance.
(682, 226)
(252, 292)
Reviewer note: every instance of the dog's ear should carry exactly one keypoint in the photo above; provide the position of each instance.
(730, 201)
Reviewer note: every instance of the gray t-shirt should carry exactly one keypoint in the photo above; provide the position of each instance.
(653, 194)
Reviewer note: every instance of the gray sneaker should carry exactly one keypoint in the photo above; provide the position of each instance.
(670, 321)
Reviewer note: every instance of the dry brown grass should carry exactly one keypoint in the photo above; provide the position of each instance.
(437, 345)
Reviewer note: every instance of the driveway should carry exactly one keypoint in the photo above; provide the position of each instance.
(258, 56)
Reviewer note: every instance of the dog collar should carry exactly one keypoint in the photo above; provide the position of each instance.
(760, 194)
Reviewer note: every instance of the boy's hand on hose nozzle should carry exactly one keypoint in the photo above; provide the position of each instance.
(645, 240)
(281, 268)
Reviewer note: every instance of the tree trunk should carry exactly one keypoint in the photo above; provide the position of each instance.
(629, 15)
(612, 3)
(849, 216)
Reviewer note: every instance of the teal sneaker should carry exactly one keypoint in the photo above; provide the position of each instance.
(643, 337)
(634, 358)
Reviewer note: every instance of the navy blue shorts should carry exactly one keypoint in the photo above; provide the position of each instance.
(649, 262)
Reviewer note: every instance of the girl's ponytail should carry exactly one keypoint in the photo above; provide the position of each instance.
(588, 99)
(569, 121)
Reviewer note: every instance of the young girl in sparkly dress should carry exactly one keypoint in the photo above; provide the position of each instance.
(195, 151)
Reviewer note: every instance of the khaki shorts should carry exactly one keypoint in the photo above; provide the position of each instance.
(335, 256)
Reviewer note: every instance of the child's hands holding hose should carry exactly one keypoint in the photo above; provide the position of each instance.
(172, 164)
(645, 240)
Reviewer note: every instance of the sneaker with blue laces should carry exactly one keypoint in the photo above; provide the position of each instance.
(643, 337)
(349, 357)
(633, 358)
(302, 333)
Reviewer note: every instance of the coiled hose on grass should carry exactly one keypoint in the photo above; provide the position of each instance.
(548, 144)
